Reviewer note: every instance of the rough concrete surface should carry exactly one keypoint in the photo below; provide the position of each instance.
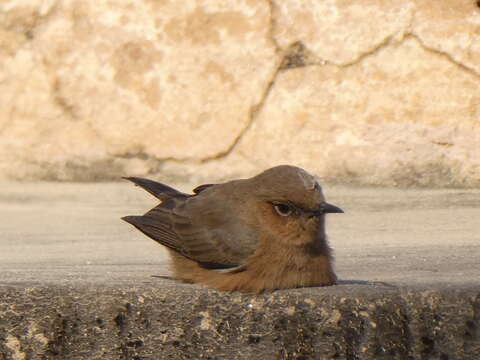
(371, 91)
(77, 283)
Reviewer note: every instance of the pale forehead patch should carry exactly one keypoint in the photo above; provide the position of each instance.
(308, 180)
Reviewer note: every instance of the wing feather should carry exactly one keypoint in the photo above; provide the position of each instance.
(198, 227)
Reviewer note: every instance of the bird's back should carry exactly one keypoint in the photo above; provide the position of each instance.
(198, 226)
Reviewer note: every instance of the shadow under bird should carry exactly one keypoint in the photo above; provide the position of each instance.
(252, 235)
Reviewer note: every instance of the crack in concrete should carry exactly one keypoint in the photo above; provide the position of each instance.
(386, 42)
(256, 108)
(443, 54)
(272, 25)
(253, 113)
(310, 59)
(295, 50)
(296, 55)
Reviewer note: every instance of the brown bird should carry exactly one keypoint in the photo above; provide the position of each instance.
(253, 235)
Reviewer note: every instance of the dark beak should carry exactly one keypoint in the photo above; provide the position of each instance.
(327, 208)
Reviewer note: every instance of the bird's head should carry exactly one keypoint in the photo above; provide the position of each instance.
(291, 205)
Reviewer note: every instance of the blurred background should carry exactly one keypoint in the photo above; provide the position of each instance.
(366, 92)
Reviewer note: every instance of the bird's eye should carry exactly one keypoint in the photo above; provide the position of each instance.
(283, 209)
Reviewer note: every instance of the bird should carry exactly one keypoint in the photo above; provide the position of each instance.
(252, 235)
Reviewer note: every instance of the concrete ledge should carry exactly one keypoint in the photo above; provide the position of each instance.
(162, 320)
(77, 283)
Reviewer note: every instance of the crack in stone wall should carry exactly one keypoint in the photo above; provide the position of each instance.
(275, 28)
(298, 55)
(445, 55)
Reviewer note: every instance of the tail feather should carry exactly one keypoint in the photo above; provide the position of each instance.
(158, 231)
(160, 191)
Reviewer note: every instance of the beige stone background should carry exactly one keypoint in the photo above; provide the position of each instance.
(366, 91)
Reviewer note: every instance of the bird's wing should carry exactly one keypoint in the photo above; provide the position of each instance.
(198, 230)
(200, 188)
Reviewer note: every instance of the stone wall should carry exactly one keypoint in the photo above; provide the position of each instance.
(370, 91)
